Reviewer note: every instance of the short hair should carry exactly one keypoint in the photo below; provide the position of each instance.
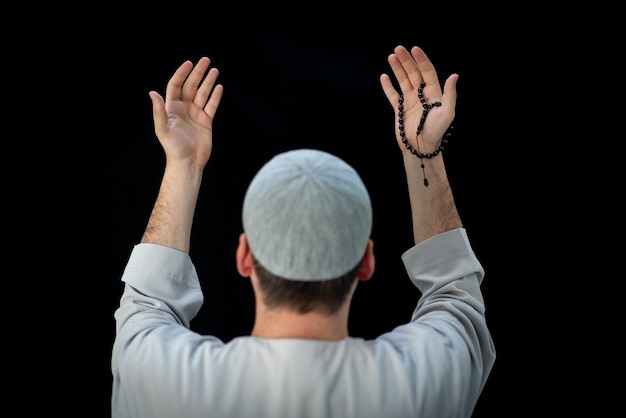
(326, 296)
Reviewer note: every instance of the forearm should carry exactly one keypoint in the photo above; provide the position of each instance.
(172, 215)
(433, 209)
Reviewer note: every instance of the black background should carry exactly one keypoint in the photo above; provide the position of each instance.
(293, 78)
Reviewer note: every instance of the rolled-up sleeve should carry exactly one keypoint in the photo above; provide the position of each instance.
(451, 308)
(162, 278)
(161, 296)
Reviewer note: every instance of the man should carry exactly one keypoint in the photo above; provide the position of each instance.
(307, 219)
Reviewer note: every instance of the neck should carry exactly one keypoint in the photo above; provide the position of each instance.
(285, 323)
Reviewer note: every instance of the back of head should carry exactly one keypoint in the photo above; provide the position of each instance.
(307, 216)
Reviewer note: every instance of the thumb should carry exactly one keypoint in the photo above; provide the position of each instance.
(449, 91)
(159, 115)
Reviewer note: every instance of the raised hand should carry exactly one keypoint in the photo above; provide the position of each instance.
(183, 122)
(432, 113)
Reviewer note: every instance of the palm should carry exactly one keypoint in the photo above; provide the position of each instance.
(184, 121)
(188, 133)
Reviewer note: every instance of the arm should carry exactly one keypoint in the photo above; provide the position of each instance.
(184, 126)
(162, 292)
(433, 209)
(450, 314)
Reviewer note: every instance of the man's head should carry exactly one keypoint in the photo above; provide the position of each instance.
(307, 217)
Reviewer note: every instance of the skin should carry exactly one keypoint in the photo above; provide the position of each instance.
(433, 208)
(183, 124)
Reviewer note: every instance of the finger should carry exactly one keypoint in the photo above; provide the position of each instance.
(426, 69)
(449, 93)
(173, 91)
(411, 66)
(190, 87)
(214, 101)
(204, 91)
(404, 69)
(389, 89)
(159, 114)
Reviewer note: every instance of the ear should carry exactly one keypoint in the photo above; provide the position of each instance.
(368, 263)
(244, 257)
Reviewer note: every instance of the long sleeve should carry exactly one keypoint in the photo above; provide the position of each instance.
(448, 333)
(434, 365)
(161, 296)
